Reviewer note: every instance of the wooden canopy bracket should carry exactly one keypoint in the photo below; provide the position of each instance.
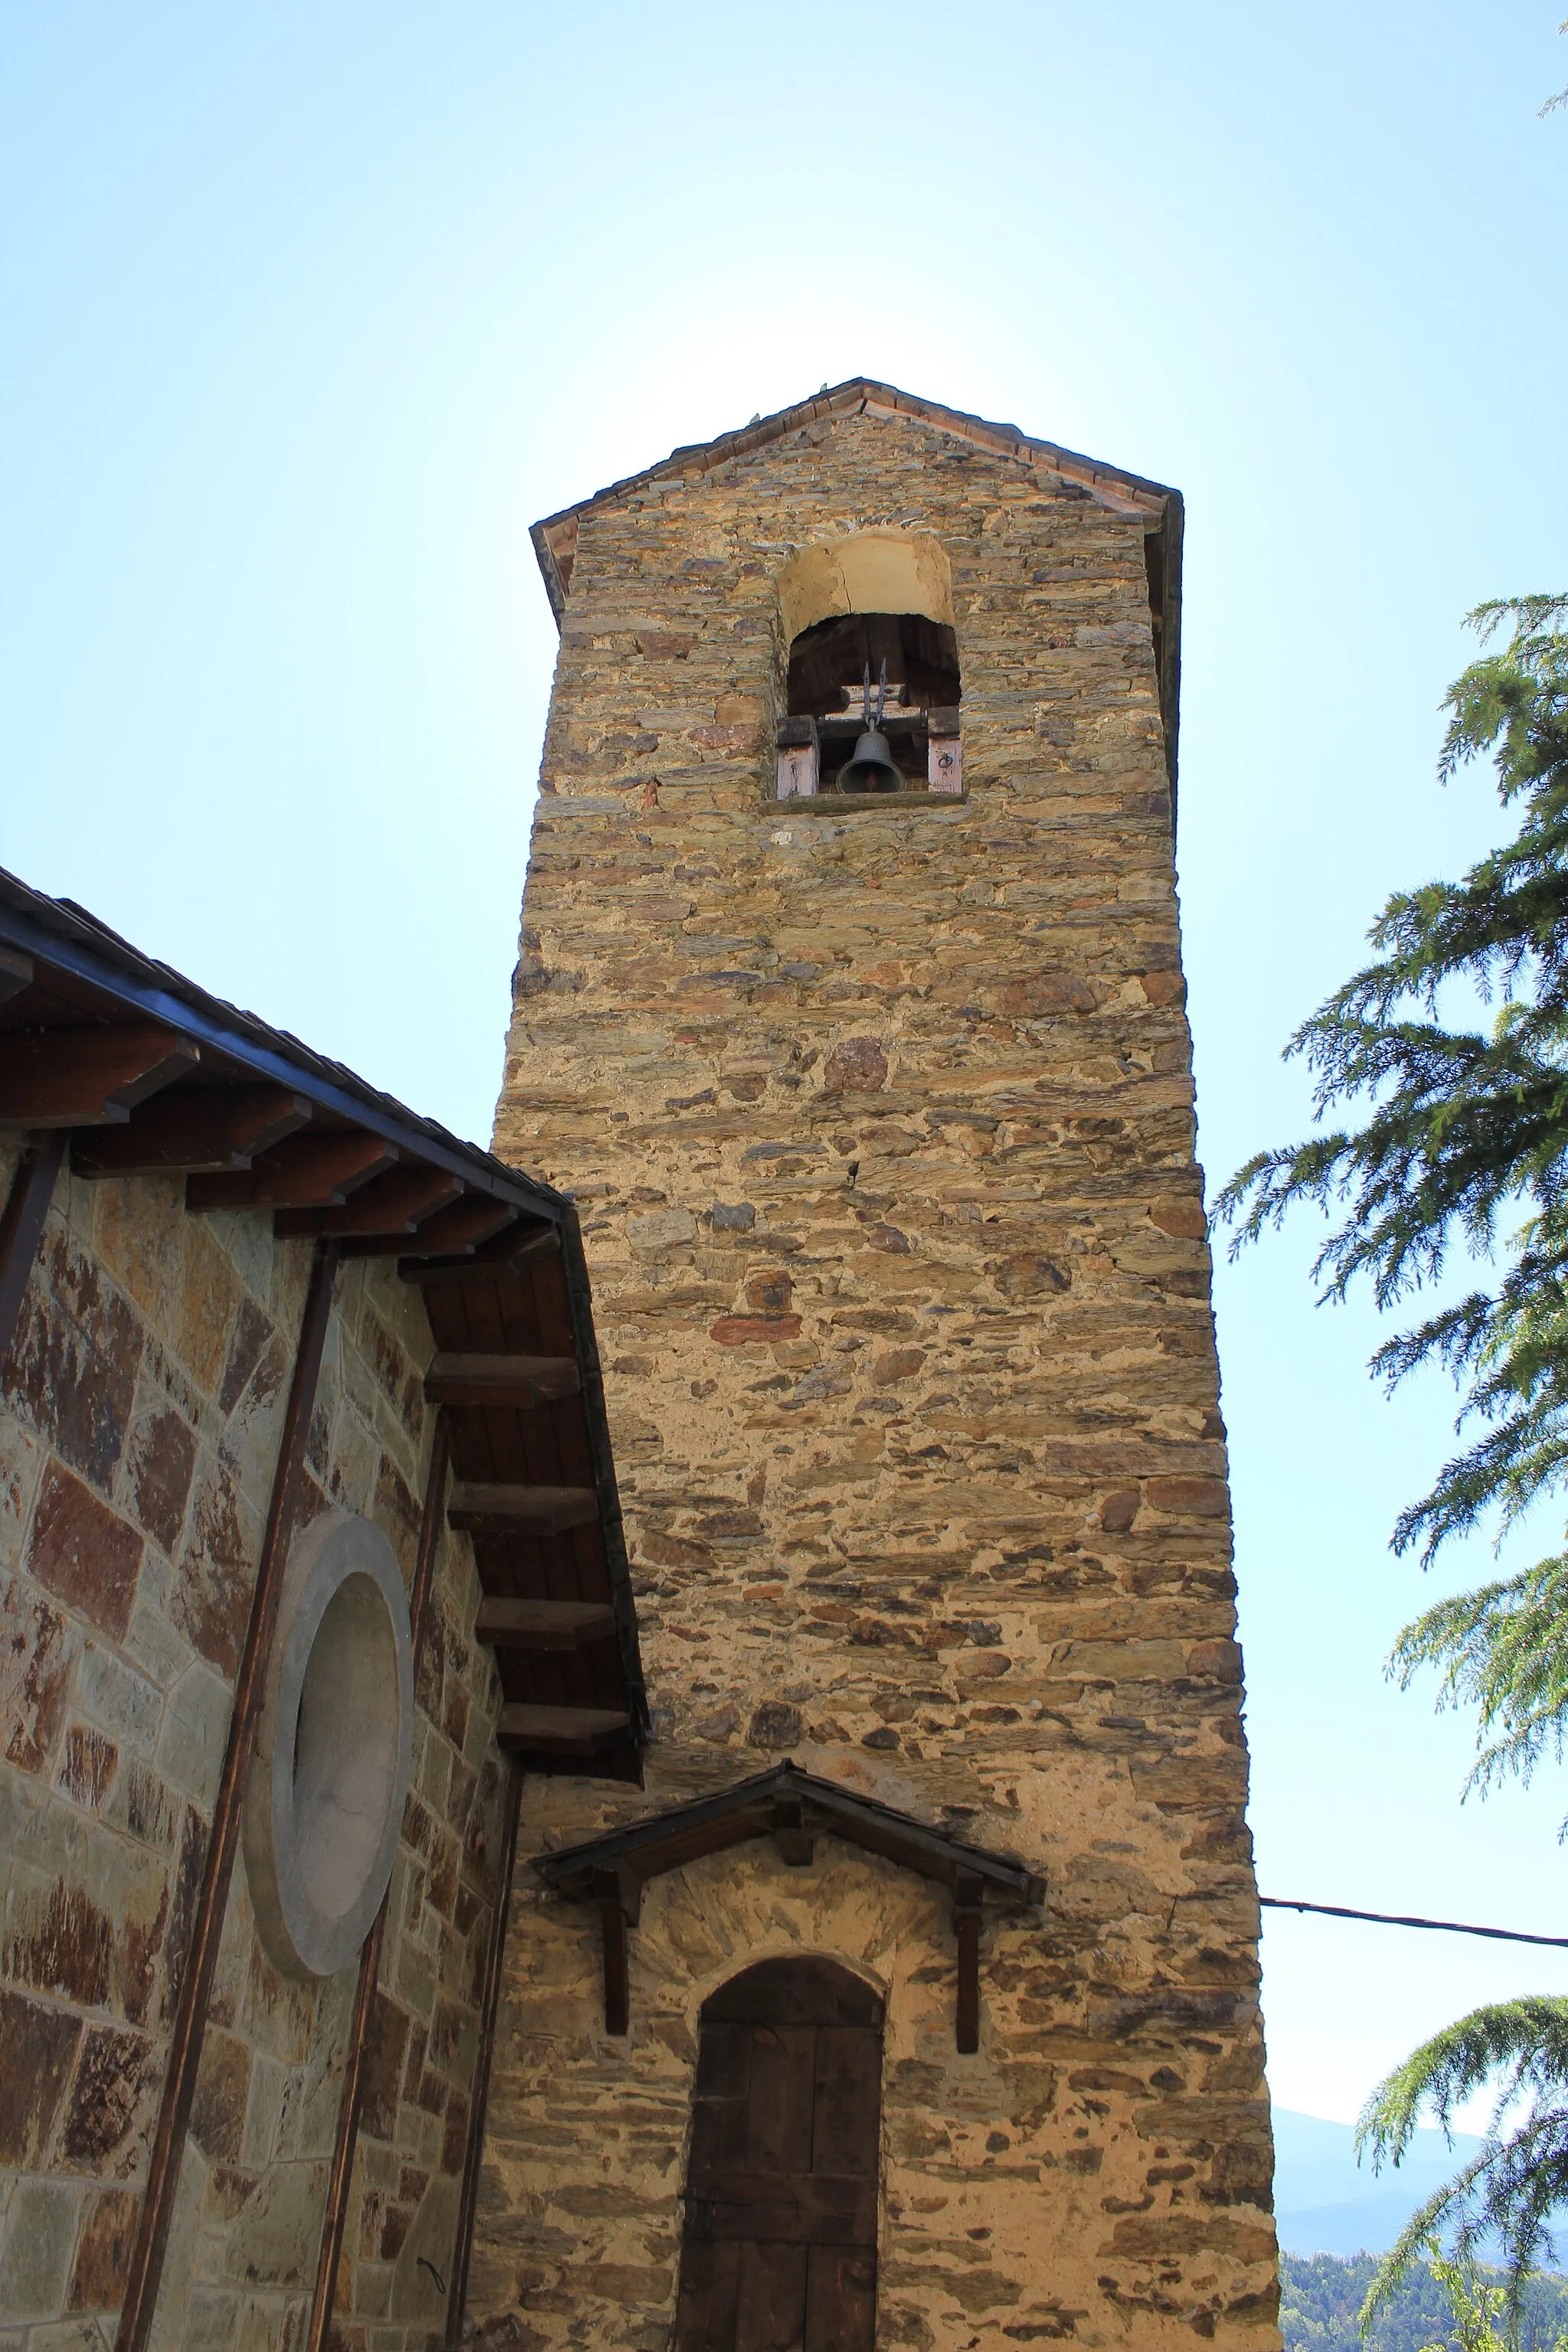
(618, 1894)
(796, 1845)
(968, 1900)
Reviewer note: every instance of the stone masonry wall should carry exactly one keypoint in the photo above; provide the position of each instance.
(142, 1405)
(881, 1126)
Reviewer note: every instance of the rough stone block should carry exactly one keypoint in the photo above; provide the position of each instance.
(73, 1361)
(103, 2250)
(35, 2251)
(217, 1571)
(37, 1648)
(83, 1552)
(37, 2046)
(160, 1458)
(195, 1731)
(113, 2103)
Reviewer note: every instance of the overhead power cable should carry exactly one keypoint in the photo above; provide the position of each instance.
(1400, 1919)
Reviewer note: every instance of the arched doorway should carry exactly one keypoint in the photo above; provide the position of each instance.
(779, 2246)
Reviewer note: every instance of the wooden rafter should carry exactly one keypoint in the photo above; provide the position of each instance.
(522, 1382)
(561, 1730)
(508, 1624)
(308, 1172)
(190, 1133)
(395, 1204)
(509, 1252)
(91, 1075)
(449, 1233)
(483, 1510)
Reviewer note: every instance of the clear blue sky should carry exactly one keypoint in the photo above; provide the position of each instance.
(307, 312)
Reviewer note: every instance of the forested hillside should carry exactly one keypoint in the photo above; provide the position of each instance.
(1322, 2296)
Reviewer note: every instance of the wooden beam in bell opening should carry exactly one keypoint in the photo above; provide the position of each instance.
(193, 1133)
(89, 1076)
(573, 1731)
(521, 1381)
(513, 1624)
(493, 1510)
(393, 1205)
(307, 1172)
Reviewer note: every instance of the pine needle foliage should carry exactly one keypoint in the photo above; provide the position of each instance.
(1509, 2188)
(1463, 1150)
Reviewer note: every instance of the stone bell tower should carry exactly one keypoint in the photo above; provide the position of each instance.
(877, 1105)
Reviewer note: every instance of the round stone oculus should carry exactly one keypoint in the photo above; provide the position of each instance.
(328, 1780)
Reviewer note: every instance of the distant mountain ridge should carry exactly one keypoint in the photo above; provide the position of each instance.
(1325, 2203)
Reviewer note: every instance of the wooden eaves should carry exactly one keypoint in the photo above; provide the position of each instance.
(118, 1060)
(1159, 506)
(794, 1807)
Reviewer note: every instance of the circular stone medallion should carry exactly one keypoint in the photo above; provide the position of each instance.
(324, 1802)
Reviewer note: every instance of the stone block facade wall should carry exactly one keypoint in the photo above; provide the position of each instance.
(881, 1126)
(142, 1402)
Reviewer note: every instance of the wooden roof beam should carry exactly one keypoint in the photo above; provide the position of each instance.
(93, 1076)
(579, 1731)
(308, 1172)
(514, 1624)
(494, 1510)
(508, 1254)
(452, 1234)
(394, 1204)
(521, 1381)
(191, 1133)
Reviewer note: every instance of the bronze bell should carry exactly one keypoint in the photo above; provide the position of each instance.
(873, 768)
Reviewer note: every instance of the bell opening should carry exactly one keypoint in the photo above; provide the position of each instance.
(868, 682)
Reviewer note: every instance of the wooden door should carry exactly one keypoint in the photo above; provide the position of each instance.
(780, 2249)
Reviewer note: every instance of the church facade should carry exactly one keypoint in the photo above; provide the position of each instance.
(850, 1011)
